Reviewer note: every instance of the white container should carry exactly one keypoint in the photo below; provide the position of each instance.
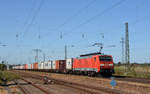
(69, 63)
(41, 65)
(53, 64)
(21, 67)
(32, 66)
(29, 66)
(15, 67)
(46, 65)
(50, 64)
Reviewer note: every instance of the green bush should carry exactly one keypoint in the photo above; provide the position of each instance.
(7, 76)
(3, 67)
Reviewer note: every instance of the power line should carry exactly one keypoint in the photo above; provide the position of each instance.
(98, 15)
(28, 17)
(74, 15)
(34, 16)
(92, 18)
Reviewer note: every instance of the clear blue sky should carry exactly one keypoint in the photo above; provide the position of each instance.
(44, 33)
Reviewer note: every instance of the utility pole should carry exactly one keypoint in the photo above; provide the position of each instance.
(4, 45)
(37, 53)
(127, 53)
(7, 65)
(122, 42)
(65, 52)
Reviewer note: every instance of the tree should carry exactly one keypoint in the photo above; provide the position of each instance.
(3, 67)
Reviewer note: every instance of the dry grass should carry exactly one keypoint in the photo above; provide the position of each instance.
(134, 71)
(3, 91)
(15, 90)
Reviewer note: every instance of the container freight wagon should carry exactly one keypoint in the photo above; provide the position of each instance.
(16, 67)
(21, 67)
(53, 64)
(35, 66)
(29, 66)
(25, 66)
(48, 66)
(60, 66)
(40, 66)
(32, 66)
(69, 63)
(94, 63)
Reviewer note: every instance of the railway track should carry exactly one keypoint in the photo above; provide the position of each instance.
(23, 89)
(36, 86)
(82, 87)
(8, 89)
(26, 91)
(123, 78)
(133, 79)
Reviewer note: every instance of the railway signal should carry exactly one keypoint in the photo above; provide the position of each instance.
(113, 83)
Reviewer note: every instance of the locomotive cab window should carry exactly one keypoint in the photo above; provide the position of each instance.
(95, 59)
(105, 58)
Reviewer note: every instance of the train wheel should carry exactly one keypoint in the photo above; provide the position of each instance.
(91, 74)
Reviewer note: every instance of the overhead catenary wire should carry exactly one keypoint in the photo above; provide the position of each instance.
(94, 17)
(71, 18)
(34, 17)
(29, 15)
(100, 14)
(27, 19)
(20, 32)
(74, 15)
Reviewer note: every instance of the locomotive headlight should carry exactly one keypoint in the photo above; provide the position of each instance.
(101, 64)
(110, 64)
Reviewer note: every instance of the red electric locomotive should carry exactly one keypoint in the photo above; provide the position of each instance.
(94, 63)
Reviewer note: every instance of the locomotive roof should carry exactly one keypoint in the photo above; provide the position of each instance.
(91, 54)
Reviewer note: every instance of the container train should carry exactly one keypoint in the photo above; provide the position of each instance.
(88, 64)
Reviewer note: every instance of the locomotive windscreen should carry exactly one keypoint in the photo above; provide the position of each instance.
(105, 58)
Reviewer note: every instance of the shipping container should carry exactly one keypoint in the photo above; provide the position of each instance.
(41, 65)
(32, 66)
(47, 65)
(25, 66)
(21, 67)
(16, 67)
(53, 63)
(35, 65)
(29, 66)
(60, 65)
(69, 63)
